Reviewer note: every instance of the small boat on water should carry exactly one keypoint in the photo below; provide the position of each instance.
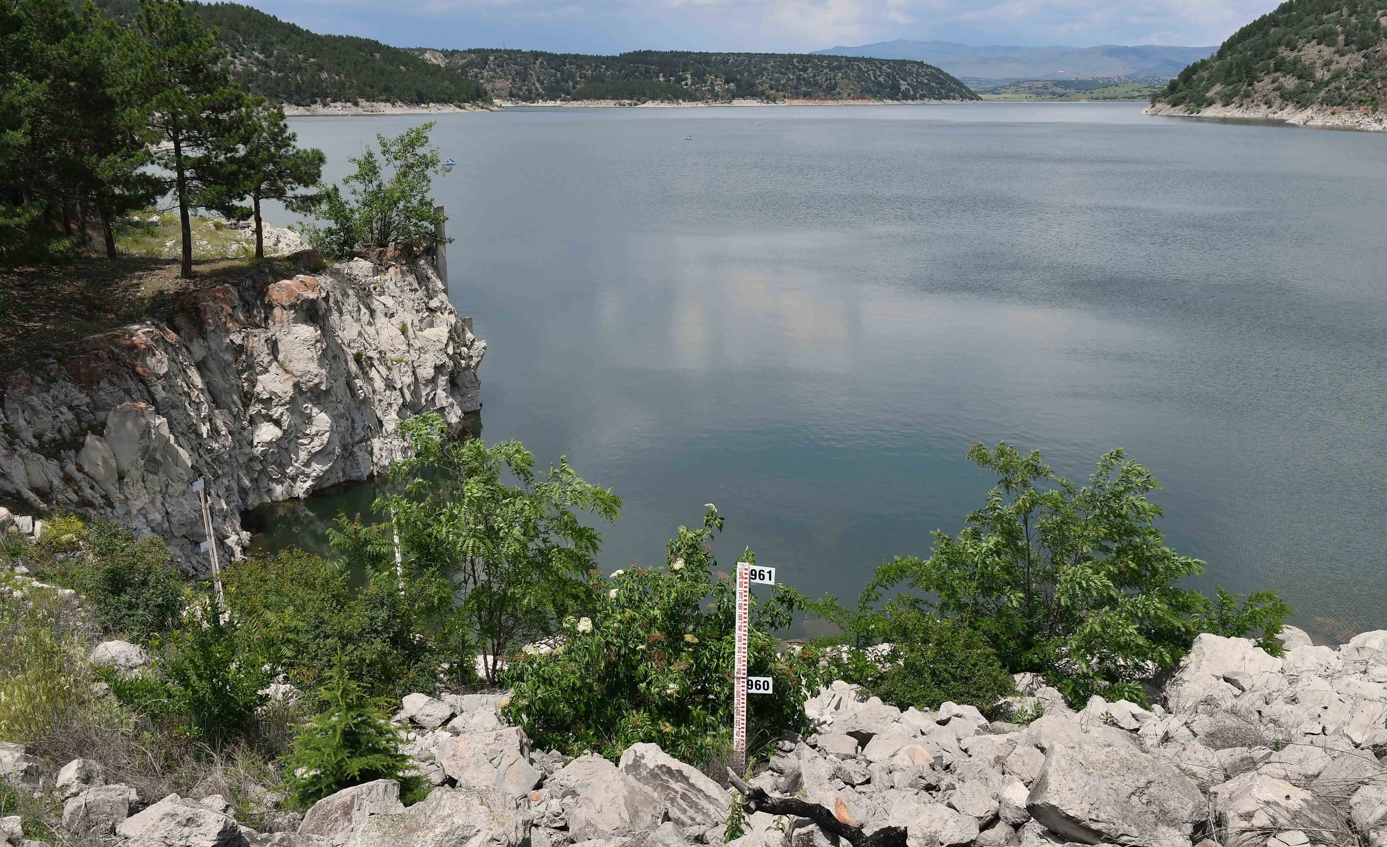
(450, 164)
(688, 138)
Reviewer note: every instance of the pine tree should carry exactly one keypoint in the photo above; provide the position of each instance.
(348, 743)
(195, 107)
(270, 166)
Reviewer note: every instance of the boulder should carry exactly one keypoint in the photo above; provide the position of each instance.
(1024, 763)
(835, 744)
(77, 776)
(1057, 728)
(426, 711)
(1342, 776)
(176, 822)
(602, 801)
(18, 767)
(448, 817)
(98, 810)
(1217, 670)
(886, 745)
(333, 817)
(1293, 636)
(1368, 811)
(498, 760)
(1247, 807)
(973, 798)
(1089, 791)
(125, 657)
(691, 797)
(930, 824)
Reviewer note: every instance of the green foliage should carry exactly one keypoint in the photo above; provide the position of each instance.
(132, 585)
(682, 76)
(650, 660)
(933, 661)
(389, 200)
(736, 820)
(288, 64)
(349, 742)
(518, 556)
(208, 685)
(1263, 613)
(303, 618)
(1276, 61)
(43, 669)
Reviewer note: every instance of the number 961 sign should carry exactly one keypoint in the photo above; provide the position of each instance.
(759, 575)
(758, 685)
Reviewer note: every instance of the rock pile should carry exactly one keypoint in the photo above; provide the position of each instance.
(1248, 749)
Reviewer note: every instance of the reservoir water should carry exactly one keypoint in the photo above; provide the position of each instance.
(806, 315)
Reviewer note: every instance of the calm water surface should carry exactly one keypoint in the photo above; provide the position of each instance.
(806, 315)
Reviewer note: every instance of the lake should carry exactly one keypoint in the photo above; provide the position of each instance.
(806, 315)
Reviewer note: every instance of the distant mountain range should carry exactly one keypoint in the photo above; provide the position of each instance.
(970, 63)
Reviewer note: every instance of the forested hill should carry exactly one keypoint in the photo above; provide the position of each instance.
(527, 76)
(1325, 56)
(289, 64)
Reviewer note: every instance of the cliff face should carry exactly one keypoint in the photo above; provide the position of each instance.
(270, 389)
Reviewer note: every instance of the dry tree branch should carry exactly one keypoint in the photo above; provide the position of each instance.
(757, 800)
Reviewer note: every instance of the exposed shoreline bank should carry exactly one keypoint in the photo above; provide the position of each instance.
(392, 109)
(1313, 118)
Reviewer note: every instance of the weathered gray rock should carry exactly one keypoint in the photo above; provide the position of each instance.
(16, 766)
(1090, 791)
(175, 822)
(449, 817)
(498, 761)
(1250, 806)
(930, 824)
(98, 810)
(601, 801)
(77, 776)
(1217, 670)
(426, 711)
(1293, 636)
(974, 798)
(333, 817)
(269, 388)
(835, 744)
(691, 797)
(1368, 810)
(124, 657)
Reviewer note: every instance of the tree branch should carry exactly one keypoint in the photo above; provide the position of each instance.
(757, 800)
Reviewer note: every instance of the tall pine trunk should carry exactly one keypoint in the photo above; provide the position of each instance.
(259, 225)
(108, 230)
(181, 183)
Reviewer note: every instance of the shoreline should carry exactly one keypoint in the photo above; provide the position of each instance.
(378, 109)
(1312, 118)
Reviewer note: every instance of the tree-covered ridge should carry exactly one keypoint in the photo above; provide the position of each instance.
(288, 64)
(529, 76)
(1306, 53)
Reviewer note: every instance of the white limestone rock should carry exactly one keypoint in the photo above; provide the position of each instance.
(176, 822)
(497, 761)
(333, 817)
(448, 816)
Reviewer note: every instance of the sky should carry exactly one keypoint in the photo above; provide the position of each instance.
(611, 26)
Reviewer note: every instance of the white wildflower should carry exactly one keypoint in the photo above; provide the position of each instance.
(710, 506)
(585, 625)
(612, 594)
(616, 574)
(678, 564)
(672, 688)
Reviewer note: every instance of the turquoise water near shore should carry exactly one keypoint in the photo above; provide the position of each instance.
(806, 315)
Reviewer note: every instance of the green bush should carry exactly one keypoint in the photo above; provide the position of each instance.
(651, 661)
(1262, 614)
(933, 661)
(302, 617)
(132, 585)
(348, 743)
(44, 677)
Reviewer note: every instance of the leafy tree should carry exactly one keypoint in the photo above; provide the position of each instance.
(389, 200)
(349, 742)
(519, 556)
(195, 108)
(649, 658)
(268, 166)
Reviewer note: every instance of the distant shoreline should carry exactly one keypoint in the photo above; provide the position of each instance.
(391, 109)
(1314, 118)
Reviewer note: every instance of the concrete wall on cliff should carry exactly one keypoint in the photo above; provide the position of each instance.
(270, 389)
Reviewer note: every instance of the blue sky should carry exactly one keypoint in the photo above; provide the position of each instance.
(610, 26)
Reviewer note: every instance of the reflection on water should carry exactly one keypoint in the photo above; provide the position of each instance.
(807, 315)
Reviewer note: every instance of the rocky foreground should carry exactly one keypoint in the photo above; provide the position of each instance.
(269, 389)
(1247, 749)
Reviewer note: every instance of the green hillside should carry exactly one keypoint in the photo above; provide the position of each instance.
(289, 64)
(526, 76)
(1322, 54)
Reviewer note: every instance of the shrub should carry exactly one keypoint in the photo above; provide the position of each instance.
(348, 743)
(933, 661)
(651, 661)
(302, 617)
(1263, 613)
(133, 585)
(1074, 583)
(44, 677)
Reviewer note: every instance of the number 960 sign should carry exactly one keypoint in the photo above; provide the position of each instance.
(758, 685)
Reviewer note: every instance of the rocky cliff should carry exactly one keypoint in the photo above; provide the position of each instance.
(270, 389)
